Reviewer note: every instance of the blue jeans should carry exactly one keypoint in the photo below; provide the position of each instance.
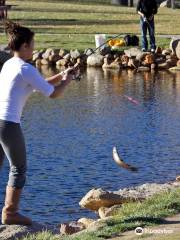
(148, 25)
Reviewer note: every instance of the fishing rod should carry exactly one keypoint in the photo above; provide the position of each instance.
(78, 77)
(94, 50)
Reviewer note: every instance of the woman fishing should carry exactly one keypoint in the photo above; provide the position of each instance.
(18, 79)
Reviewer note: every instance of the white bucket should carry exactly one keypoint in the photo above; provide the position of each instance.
(100, 39)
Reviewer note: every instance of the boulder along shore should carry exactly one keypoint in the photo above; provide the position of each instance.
(131, 58)
(104, 203)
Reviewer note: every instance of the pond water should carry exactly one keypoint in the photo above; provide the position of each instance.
(70, 140)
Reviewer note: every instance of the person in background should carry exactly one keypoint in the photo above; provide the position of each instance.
(18, 79)
(147, 9)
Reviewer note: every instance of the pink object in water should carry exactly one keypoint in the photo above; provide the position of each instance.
(131, 99)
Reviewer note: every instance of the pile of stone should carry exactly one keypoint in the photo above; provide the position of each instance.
(105, 203)
(134, 58)
(106, 58)
(58, 57)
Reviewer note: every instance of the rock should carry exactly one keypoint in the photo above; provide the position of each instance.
(147, 190)
(178, 178)
(171, 62)
(143, 68)
(158, 50)
(38, 62)
(88, 51)
(162, 66)
(86, 221)
(82, 60)
(160, 59)
(62, 52)
(148, 59)
(44, 61)
(116, 64)
(36, 56)
(132, 52)
(168, 57)
(97, 198)
(166, 51)
(95, 60)
(133, 63)
(9, 232)
(124, 60)
(105, 50)
(153, 66)
(47, 53)
(174, 69)
(67, 56)
(178, 63)
(61, 62)
(54, 58)
(141, 56)
(97, 225)
(71, 228)
(75, 54)
(107, 212)
(55, 51)
(174, 44)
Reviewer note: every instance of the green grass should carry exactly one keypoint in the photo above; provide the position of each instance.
(73, 24)
(128, 217)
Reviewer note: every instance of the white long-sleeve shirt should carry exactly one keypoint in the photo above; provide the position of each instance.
(18, 79)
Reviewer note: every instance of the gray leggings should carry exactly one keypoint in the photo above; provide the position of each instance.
(13, 146)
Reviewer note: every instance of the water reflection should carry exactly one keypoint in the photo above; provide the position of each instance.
(70, 140)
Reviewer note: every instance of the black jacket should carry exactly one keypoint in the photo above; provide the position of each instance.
(147, 7)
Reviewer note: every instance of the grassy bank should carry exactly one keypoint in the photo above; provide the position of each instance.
(129, 216)
(72, 24)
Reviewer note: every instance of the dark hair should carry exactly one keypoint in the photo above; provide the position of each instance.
(17, 35)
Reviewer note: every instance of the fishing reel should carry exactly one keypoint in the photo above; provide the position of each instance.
(76, 73)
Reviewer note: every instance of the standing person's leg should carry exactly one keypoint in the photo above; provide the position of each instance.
(151, 30)
(13, 144)
(144, 34)
(2, 155)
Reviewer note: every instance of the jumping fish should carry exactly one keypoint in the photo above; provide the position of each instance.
(121, 163)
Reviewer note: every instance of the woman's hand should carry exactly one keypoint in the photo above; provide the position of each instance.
(67, 75)
(70, 73)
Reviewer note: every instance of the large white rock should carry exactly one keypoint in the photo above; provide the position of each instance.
(86, 221)
(95, 60)
(132, 52)
(97, 198)
(108, 212)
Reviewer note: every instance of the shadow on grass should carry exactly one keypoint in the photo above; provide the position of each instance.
(56, 22)
(96, 2)
(151, 220)
(59, 10)
(143, 220)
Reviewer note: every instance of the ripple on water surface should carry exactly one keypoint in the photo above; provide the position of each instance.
(70, 140)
